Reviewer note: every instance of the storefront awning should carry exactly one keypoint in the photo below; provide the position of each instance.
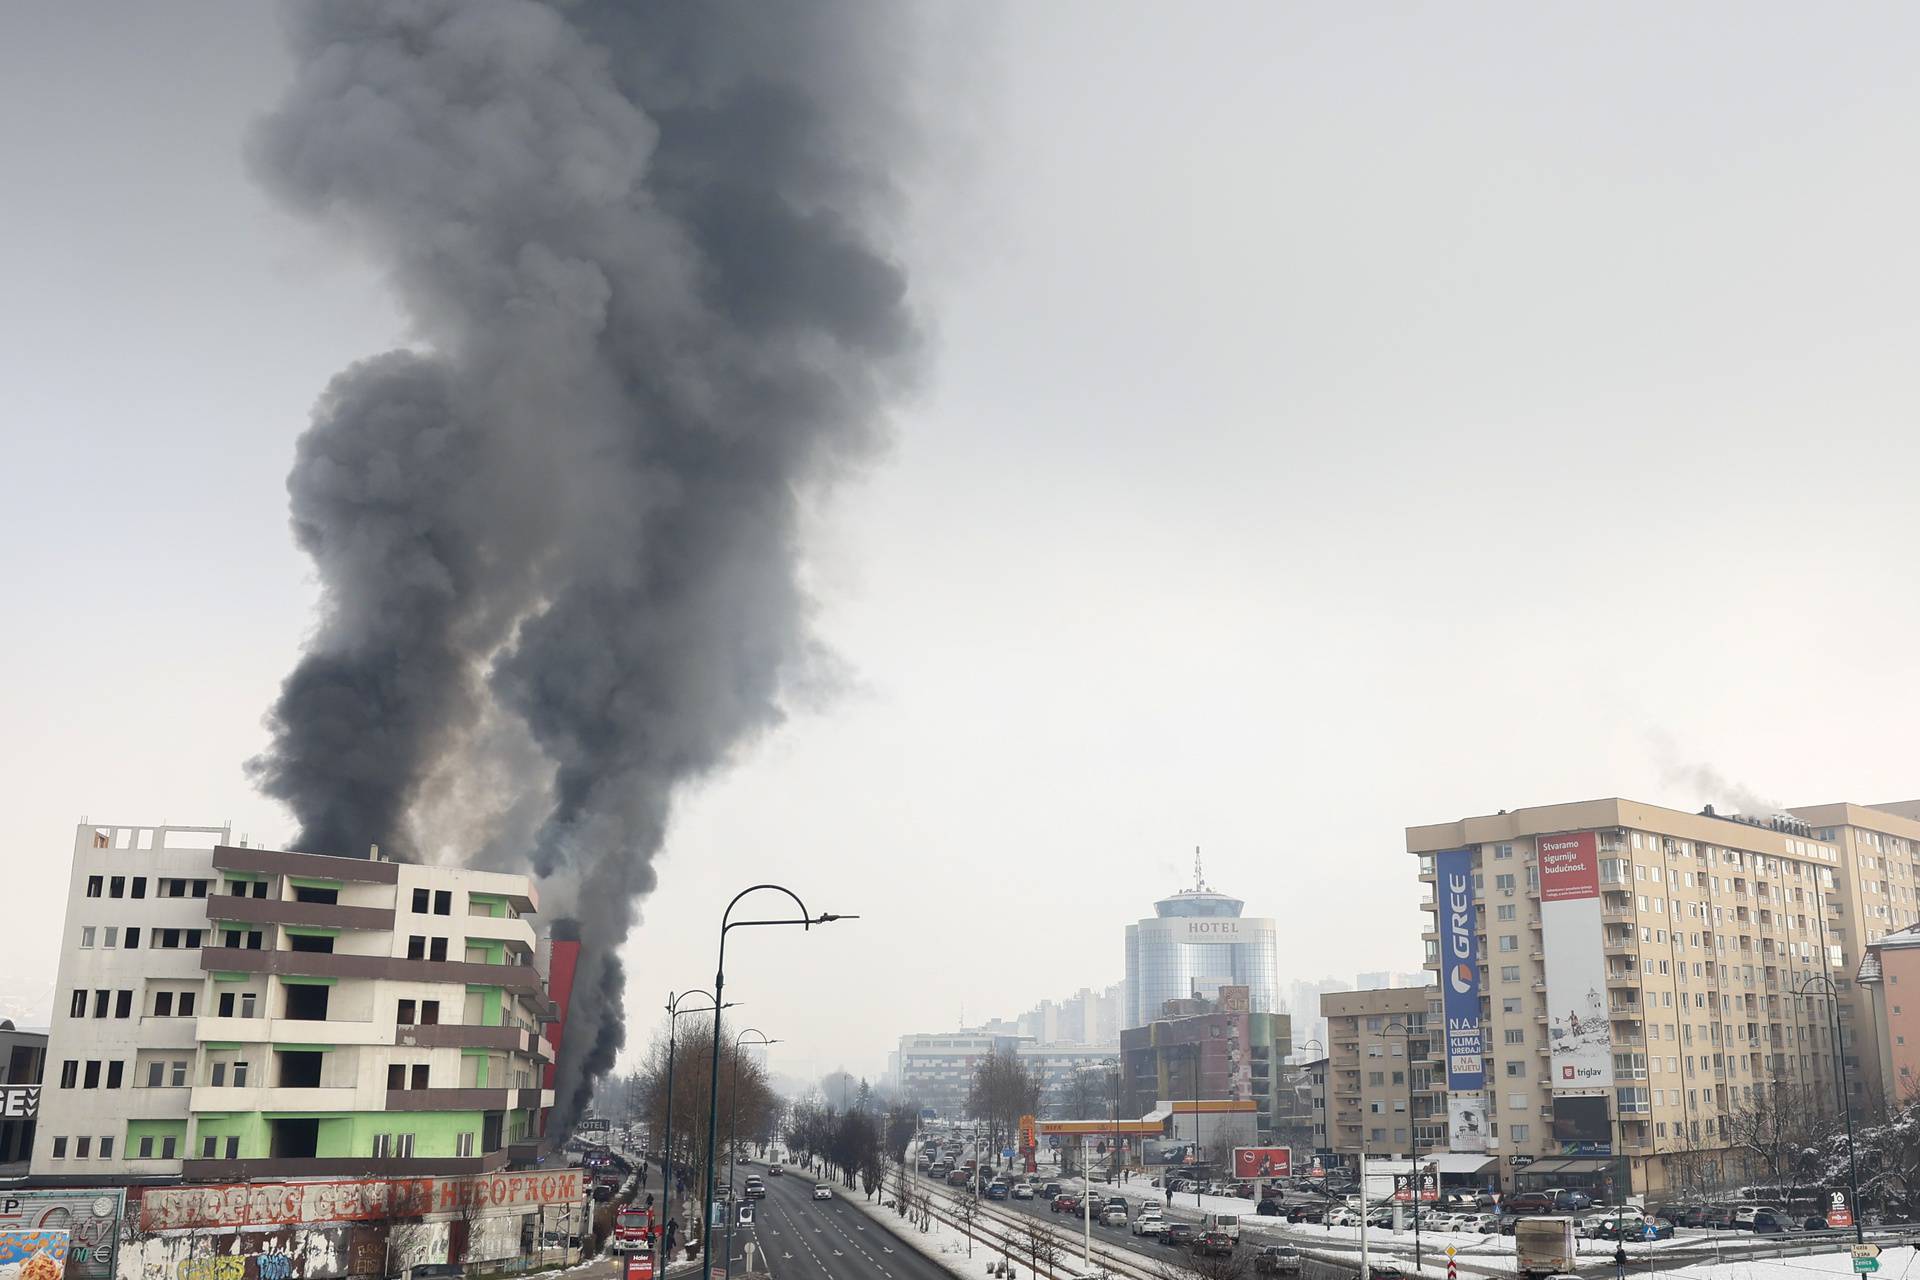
(1456, 1163)
(1549, 1168)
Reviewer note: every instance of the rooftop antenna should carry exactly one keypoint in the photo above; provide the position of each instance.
(1199, 881)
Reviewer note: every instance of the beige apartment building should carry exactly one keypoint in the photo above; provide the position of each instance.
(1381, 1085)
(1692, 973)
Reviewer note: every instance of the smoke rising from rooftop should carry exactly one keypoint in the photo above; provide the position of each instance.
(641, 248)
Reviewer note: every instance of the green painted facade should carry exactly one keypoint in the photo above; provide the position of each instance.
(494, 951)
(496, 906)
(491, 1014)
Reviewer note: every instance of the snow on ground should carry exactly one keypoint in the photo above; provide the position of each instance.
(1896, 1263)
(942, 1243)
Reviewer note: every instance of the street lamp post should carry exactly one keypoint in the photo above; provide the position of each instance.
(713, 1068)
(1846, 1094)
(733, 1132)
(1199, 1196)
(1300, 1046)
(666, 1171)
(1405, 1033)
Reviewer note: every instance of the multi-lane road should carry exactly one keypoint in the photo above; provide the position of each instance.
(796, 1237)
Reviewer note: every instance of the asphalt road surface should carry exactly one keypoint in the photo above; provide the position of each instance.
(796, 1237)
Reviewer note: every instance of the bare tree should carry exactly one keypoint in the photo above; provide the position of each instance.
(1779, 1137)
(966, 1211)
(1039, 1244)
(1001, 1091)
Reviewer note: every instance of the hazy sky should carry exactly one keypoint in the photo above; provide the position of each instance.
(1344, 417)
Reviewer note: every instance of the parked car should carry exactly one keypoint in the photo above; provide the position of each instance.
(1268, 1209)
(1717, 1217)
(1277, 1260)
(1214, 1244)
(1771, 1222)
(1485, 1224)
(1681, 1215)
(1386, 1271)
(1636, 1229)
(1065, 1202)
(1178, 1233)
(1814, 1222)
(1149, 1222)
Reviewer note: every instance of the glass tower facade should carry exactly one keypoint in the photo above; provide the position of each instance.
(1197, 942)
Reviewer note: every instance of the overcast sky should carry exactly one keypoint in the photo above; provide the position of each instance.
(1343, 418)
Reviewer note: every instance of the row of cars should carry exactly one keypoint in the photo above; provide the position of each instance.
(1762, 1219)
(1213, 1238)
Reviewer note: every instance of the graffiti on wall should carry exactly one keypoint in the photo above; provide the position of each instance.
(356, 1200)
(240, 1266)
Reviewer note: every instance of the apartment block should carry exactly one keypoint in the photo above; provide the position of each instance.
(227, 1013)
(1214, 1050)
(1677, 968)
(1382, 1093)
(936, 1069)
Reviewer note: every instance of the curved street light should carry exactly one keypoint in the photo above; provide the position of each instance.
(727, 922)
(1832, 992)
(666, 1168)
(1405, 1032)
(733, 1131)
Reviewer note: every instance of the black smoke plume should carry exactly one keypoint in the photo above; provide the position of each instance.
(641, 246)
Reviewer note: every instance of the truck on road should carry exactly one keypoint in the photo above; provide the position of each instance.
(1544, 1246)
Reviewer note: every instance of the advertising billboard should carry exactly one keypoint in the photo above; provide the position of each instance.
(1466, 1122)
(1429, 1185)
(1459, 971)
(33, 1255)
(88, 1218)
(1262, 1162)
(1582, 1126)
(1578, 1035)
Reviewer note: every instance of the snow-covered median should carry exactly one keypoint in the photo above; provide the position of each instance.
(940, 1242)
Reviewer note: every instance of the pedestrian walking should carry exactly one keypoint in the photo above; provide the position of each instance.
(1169, 1193)
(673, 1231)
(1620, 1261)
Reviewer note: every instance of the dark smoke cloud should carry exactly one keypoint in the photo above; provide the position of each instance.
(641, 248)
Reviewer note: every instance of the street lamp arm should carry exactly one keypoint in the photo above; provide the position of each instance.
(673, 1001)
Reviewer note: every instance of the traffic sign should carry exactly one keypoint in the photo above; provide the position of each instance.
(1866, 1251)
(1649, 1232)
(1863, 1265)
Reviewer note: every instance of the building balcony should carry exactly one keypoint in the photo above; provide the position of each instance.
(467, 1099)
(334, 964)
(207, 1097)
(273, 862)
(319, 915)
(292, 1031)
(515, 932)
(466, 1036)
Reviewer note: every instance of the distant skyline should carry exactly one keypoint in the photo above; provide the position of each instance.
(1337, 420)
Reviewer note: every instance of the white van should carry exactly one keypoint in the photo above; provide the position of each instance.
(1227, 1224)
